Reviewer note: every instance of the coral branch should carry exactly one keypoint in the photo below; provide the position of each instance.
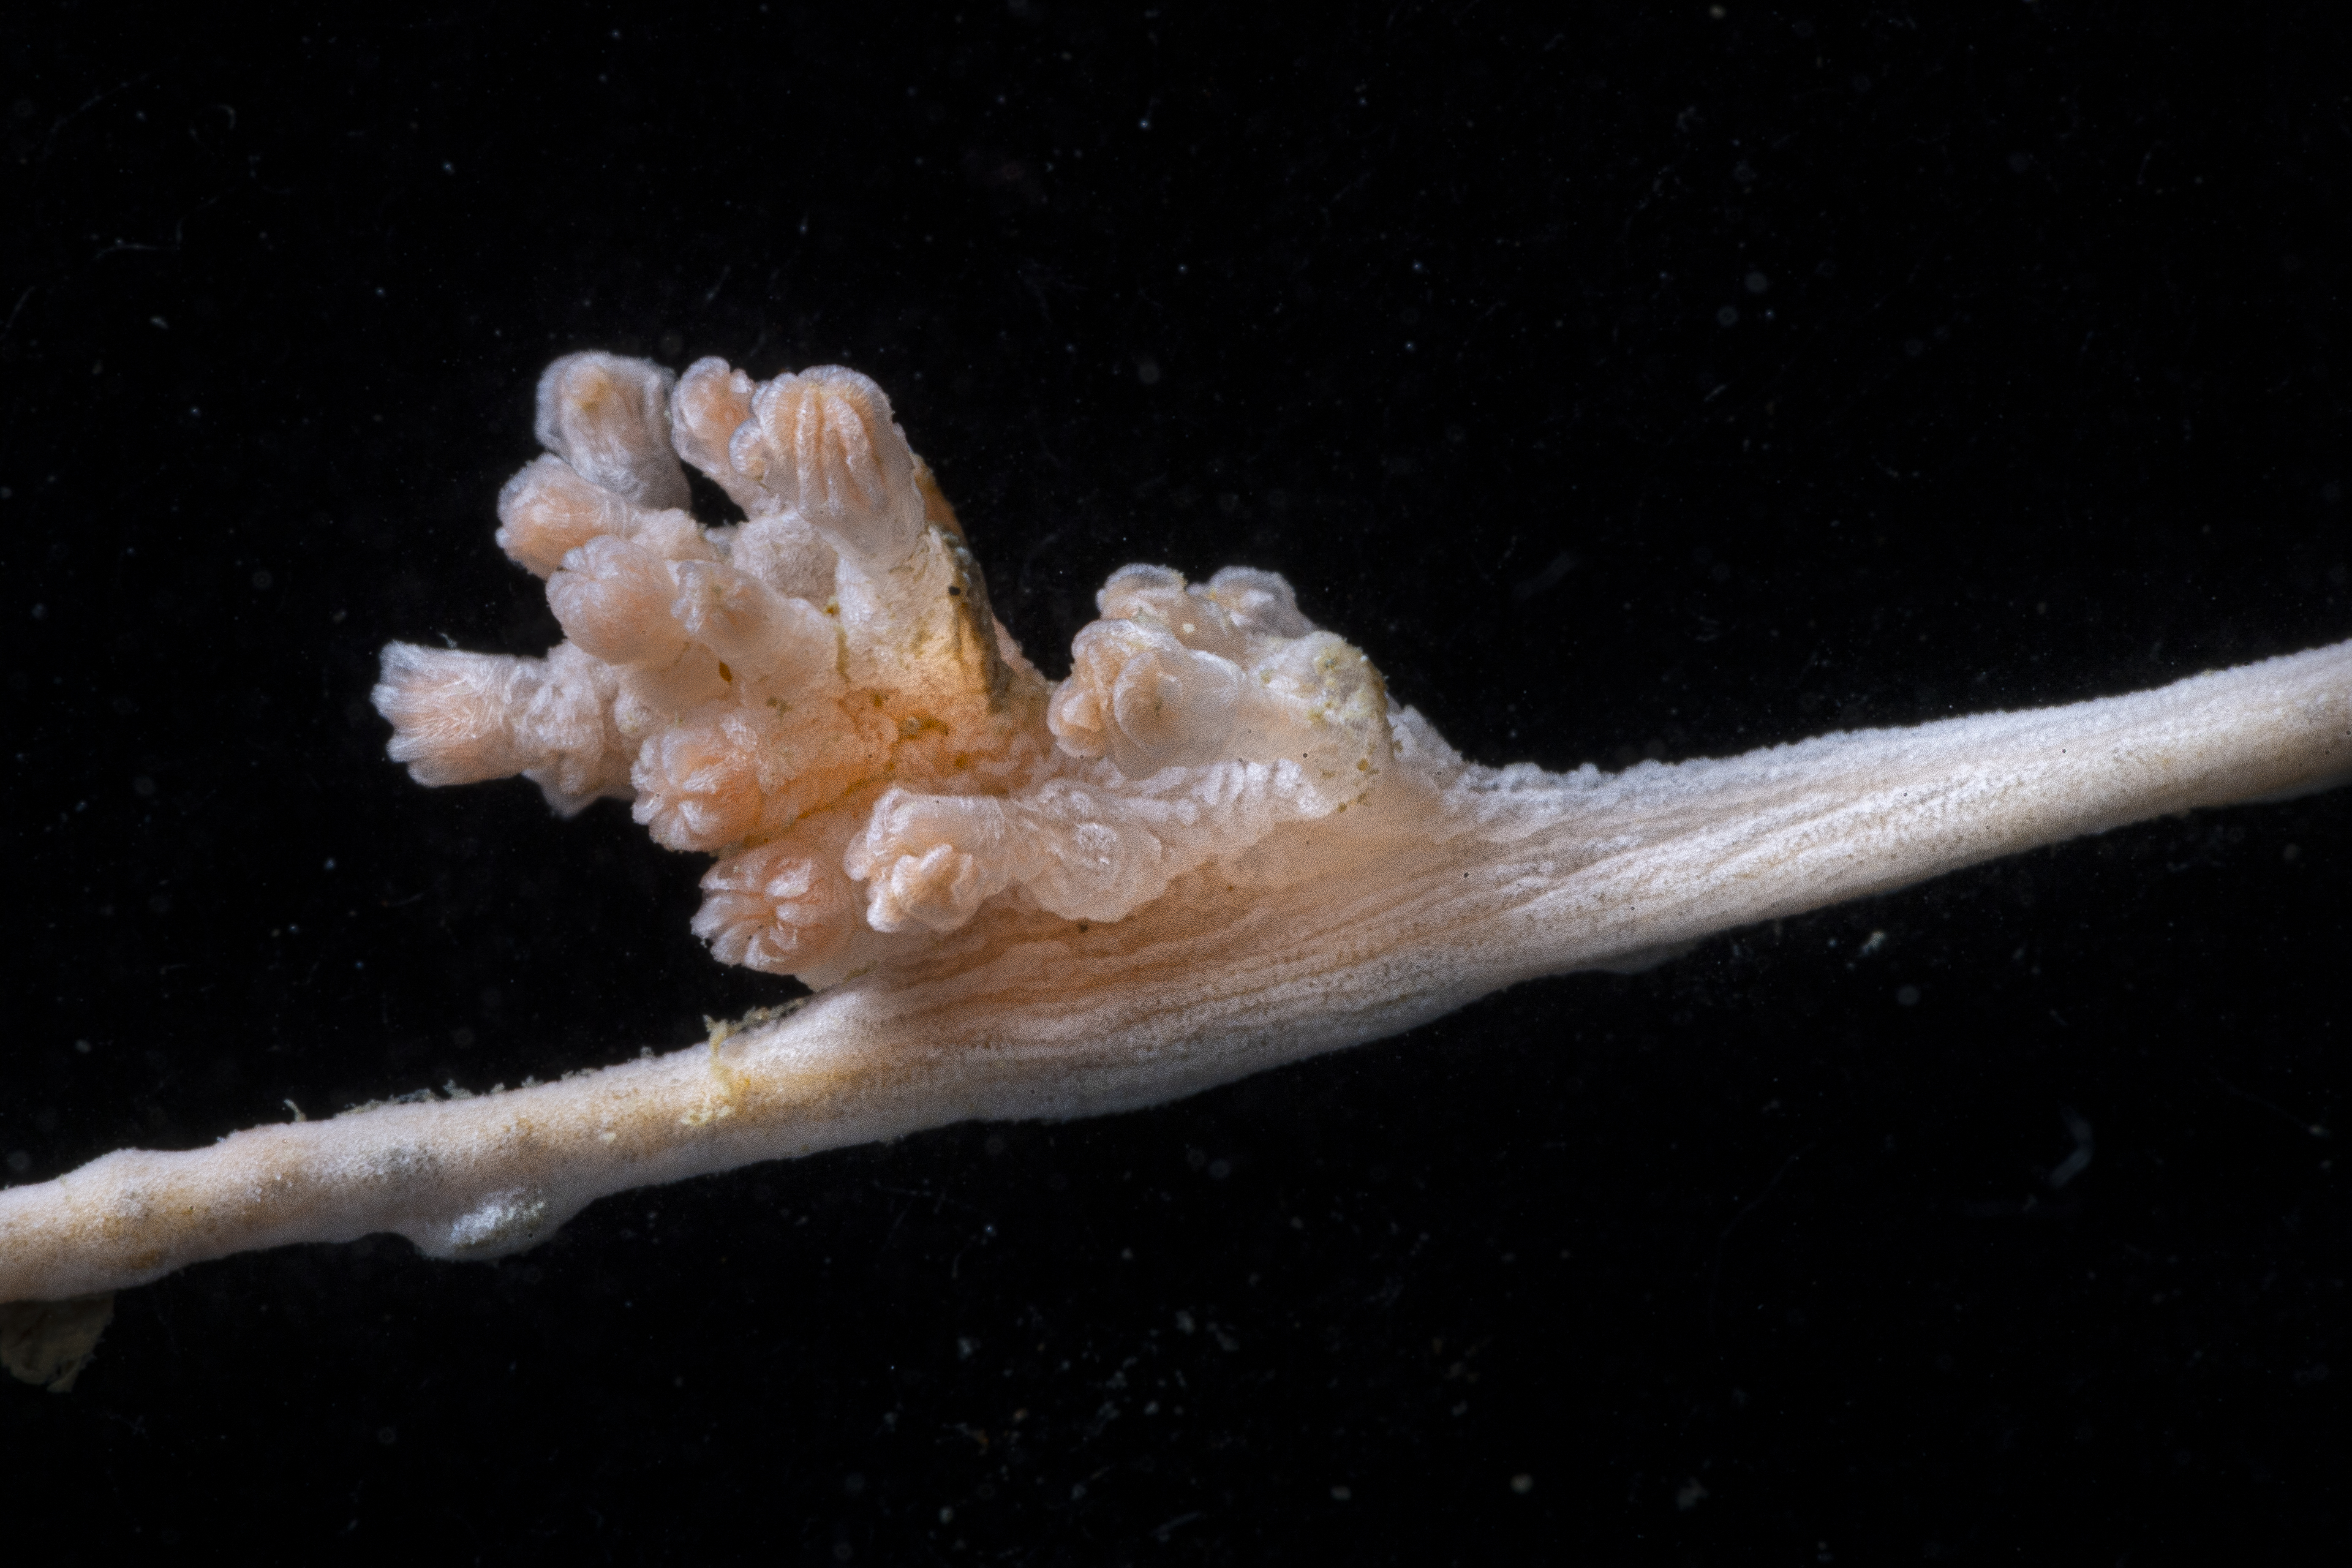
(1216, 846)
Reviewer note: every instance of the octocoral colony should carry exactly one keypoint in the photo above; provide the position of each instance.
(1217, 845)
(819, 696)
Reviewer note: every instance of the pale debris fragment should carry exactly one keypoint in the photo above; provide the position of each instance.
(49, 1343)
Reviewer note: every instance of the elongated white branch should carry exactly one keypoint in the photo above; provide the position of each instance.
(1216, 847)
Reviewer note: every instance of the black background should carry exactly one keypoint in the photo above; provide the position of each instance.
(2036, 391)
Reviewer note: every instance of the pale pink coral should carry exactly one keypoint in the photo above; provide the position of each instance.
(612, 599)
(609, 418)
(547, 511)
(831, 662)
(460, 718)
(779, 908)
(1217, 846)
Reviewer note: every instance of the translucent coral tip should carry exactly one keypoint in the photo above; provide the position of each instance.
(609, 418)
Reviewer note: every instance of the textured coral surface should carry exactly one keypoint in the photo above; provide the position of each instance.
(819, 696)
(1215, 847)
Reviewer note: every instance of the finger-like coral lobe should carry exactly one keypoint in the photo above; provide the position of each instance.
(819, 696)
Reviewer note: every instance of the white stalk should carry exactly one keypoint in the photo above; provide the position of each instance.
(1444, 882)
